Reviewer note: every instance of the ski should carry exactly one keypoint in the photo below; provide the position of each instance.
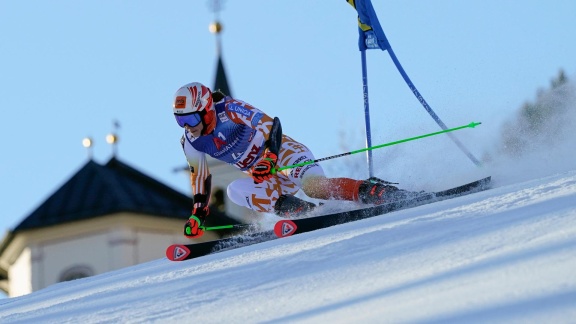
(181, 252)
(287, 227)
(284, 228)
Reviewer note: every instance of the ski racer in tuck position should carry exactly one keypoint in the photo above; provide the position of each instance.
(237, 133)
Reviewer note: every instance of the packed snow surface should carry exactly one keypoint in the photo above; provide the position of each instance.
(506, 255)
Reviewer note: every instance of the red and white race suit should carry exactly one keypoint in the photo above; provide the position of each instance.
(239, 139)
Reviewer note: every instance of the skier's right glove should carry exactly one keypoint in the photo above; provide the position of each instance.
(194, 226)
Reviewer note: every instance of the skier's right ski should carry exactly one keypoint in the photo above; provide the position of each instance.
(181, 252)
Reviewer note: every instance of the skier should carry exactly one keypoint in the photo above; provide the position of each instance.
(237, 133)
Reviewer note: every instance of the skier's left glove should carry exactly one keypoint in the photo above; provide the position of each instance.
(194, 227)
(262, 171)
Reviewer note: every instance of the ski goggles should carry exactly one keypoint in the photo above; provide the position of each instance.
(191, 119)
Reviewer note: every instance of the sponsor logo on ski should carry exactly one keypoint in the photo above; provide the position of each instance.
(287, 229)
(179, 253)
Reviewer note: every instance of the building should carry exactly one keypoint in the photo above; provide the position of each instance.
(105, 217)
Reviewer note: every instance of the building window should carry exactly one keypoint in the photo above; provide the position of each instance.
(76, 272)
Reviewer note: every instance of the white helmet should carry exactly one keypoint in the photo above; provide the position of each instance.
(193, 104)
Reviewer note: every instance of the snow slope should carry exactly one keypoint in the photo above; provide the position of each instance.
(503, 255)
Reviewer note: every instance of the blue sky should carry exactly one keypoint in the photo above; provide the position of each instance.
(69, 69)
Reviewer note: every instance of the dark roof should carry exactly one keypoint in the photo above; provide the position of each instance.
(98, 190)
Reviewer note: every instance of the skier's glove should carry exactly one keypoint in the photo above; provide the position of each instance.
(194, 226)
(262, 171)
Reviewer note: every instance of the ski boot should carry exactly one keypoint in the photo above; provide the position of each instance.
(377, 191)
(291, 206)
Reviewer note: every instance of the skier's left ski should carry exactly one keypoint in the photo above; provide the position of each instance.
(287, 227)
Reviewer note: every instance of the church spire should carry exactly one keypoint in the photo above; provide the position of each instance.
(221, 80)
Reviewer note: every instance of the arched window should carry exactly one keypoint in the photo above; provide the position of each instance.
(76, 272)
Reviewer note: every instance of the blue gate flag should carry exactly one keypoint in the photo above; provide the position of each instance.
(371, 34)
(372, 37)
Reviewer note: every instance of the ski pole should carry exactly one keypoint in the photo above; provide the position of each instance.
(471, 125)
(222, 227)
